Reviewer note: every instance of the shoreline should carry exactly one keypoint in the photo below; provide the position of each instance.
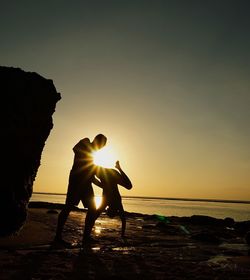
(170, 198)
(59, 206)
(156, 247)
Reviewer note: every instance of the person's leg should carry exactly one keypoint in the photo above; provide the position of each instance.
(89, 223)
(91, 216)
(123, 220)
(62, 217)
(101, 208)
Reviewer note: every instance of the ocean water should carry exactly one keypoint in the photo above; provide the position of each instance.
(239, 211)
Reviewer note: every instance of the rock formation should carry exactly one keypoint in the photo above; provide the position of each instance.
(28, 103)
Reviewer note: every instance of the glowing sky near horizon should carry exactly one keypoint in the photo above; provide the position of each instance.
(166, 81)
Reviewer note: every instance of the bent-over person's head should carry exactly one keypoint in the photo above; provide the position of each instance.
(99, 141)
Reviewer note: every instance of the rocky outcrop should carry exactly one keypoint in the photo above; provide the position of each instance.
(28, 103)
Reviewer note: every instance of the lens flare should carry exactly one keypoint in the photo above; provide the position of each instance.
(98, 201)
(104, 157)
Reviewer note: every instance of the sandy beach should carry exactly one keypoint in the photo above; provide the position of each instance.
(197, 247)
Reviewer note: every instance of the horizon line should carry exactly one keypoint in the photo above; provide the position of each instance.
(171, 198)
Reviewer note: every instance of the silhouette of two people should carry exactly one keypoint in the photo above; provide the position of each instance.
(83, 173)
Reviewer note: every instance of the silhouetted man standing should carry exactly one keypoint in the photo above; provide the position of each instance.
(81, 177)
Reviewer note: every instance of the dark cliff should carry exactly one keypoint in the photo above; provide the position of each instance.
(28, 103)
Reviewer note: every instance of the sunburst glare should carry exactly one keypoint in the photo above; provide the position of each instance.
(104, 157)
(98, 201)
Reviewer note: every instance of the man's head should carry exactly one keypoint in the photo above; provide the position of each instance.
(82, 146)
(99, 141)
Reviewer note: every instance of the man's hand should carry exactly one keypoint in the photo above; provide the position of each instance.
(117, 165)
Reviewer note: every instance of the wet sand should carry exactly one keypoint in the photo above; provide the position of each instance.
(155, 248)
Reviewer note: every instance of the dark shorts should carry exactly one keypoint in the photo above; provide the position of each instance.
(83, 193)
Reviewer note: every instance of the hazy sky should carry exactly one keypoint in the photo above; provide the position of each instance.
(168, 82)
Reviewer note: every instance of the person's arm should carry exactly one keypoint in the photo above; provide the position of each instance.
(97, 182)
(123, 178)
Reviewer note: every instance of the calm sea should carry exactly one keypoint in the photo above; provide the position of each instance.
(239, 211)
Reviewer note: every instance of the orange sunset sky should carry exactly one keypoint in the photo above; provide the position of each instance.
(166, 81)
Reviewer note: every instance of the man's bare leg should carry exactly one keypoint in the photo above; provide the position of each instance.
(62, 218)
(89, 223)
(91, 216)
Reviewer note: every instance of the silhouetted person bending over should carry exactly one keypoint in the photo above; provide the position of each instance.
(111, 198)
(81, 177)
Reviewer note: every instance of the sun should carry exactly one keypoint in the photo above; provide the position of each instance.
(104, 157)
